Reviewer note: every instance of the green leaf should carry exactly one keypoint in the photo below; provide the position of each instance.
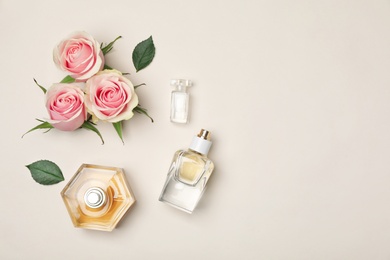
(118, 128)
(68, 79)
(143, 54)
(45, 172)
(43, 125)
(109, 46)
(106, 67)
(43, 89)
(141, 110)
(88, 125)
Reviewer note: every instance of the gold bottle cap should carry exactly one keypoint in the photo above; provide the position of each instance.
(204, 134)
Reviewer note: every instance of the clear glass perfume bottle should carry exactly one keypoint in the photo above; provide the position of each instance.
(188, 174)
(180, 100)
(97, 197)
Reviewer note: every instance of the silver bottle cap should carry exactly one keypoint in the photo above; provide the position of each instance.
(95, 197)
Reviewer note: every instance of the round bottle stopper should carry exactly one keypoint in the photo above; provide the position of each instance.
(95, 197)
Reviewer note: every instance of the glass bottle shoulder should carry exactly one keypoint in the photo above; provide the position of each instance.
(191, 166)
(191, 155)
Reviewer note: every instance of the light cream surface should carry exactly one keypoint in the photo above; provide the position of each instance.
(295, 93)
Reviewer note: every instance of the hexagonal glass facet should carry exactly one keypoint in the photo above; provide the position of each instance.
(97, 197)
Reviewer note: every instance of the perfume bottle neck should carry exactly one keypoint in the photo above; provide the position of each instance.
(196, 152)
(181, 88)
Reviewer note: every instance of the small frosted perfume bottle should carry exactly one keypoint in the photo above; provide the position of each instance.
(97, 197)
(188, 174)
(180, 100)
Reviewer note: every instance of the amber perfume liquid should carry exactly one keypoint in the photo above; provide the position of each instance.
(188, 175)
(97, 197)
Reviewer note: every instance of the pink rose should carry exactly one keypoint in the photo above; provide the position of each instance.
(65, 104)
(110, 96)
(79, 55)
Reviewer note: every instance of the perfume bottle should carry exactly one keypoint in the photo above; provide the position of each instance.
(188, 174)
(97, 197)
(180, 100)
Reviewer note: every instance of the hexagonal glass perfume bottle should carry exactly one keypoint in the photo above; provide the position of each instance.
(97, 197)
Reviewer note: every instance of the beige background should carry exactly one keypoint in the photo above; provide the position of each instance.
(295, 93)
